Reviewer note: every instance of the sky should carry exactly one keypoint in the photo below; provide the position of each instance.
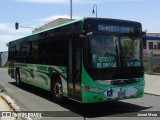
(35, 13)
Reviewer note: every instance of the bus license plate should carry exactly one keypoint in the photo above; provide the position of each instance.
(122, 94)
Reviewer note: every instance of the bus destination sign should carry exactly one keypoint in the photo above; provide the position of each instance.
(115, 28)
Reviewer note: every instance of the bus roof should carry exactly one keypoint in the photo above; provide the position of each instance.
(82, 19)
(51, 28)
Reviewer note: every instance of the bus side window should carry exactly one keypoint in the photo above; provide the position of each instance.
(34, 52)
(25, 49)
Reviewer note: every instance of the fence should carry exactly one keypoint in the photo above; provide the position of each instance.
(153, 62)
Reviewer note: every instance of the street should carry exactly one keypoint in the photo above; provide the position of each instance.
(30, 98)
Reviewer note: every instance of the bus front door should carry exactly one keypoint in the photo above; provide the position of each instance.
(74, 81)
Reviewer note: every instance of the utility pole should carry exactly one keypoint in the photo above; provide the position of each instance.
(71, 9)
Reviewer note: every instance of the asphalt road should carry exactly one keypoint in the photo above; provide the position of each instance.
(30, 98)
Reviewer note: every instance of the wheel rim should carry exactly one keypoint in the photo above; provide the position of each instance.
(58, 90)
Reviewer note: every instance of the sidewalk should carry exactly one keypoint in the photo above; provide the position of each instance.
(5, 108)
(152, 84)
(3, 105)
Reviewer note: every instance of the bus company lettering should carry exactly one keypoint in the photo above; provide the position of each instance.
(115, 28)
(106, 65)
(106, 59)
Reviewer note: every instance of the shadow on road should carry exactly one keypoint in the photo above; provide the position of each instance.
(114, 108)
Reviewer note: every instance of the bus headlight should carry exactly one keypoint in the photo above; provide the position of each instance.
(91, 89)
(140, 87)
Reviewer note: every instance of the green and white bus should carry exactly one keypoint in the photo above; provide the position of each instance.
(89, 60)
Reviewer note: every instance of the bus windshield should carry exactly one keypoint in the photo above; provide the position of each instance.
(109, 57)
(101, 51)
(131, 54)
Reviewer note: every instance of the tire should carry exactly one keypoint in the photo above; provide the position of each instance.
(56, 90)
(18, 82)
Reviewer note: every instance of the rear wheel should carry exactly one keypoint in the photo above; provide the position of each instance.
(56, 90)
(18, 82)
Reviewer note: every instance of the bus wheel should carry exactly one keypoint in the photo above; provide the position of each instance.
(18, 82)
(56, 90)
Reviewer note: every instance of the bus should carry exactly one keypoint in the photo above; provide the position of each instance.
(89, 60)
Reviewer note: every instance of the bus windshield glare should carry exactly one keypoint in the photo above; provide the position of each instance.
(131, 53)
(104, 51)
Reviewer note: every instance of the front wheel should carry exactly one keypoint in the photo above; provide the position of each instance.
(56, 90)
(18, 82)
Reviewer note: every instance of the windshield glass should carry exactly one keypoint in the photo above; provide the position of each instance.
(113, 57)
(101, 51)
(131, 54)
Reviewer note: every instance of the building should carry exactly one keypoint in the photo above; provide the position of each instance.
(151, 44)
(52, 24)
(152, 41)
(151, 53)
(3, 59)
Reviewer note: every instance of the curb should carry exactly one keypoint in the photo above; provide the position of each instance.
(8, 99)
(12, 104)
(151, 94)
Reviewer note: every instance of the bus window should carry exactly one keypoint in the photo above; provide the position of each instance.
(34, 52)
(25, 48)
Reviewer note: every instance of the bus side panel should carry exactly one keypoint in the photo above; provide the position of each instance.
(88, 83)
(41, 75)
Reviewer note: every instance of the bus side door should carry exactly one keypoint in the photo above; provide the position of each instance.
(74, 72)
